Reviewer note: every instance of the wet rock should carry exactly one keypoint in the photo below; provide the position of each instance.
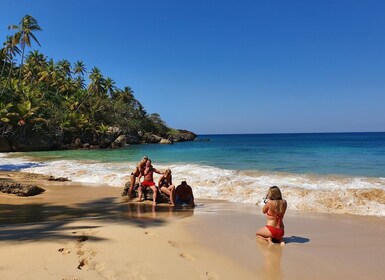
(20, 189)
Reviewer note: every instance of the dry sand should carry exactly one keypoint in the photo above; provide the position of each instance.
(91, 232)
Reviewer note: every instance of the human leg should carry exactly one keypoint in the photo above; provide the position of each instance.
(170, 192)
(171, 188)
(265, 234)
(154, 194)
(141, 188)
(132, 185)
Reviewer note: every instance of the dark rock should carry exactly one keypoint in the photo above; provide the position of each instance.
(133, 139)
(184, 135)
(5, 146)
(59, 179)
(151, 138)
(32, 141)
(78, 143)
(147, 193)
(120, 141)
(20, 189)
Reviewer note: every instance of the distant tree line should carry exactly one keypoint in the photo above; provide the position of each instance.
(50, 101)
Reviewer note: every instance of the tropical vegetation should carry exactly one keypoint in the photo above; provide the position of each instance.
(47, 104)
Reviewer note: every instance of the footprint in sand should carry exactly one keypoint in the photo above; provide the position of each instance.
(150, 233)
(84, 252)
(82, 238)
(82, 263)
(70, 278)
(64, 251)
(211, 276)
(187, 256)
(173, 243)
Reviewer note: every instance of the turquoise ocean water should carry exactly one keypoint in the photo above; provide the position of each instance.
(325, 172)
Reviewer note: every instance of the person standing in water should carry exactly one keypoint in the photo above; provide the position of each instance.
(274, 208)
(137, 173)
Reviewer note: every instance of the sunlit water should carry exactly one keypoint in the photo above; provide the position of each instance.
(335, 172)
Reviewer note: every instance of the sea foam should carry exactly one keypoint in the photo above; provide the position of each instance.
(305, 192)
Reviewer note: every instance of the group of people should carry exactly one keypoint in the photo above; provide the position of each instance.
(274, 208)
(178, 196)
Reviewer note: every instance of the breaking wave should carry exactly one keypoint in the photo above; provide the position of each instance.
(319, 193)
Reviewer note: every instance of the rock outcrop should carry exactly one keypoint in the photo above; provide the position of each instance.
(20, 189)
(30, 140)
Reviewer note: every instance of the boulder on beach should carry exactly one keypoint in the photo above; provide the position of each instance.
(20, 189)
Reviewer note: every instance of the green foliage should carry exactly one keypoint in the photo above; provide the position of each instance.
(43, 93)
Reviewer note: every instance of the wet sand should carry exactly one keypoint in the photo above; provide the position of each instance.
(74, 231)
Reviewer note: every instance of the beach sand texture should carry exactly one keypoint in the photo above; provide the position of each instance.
(73, 231)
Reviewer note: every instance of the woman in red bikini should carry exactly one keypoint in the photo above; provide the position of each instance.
(274, 209)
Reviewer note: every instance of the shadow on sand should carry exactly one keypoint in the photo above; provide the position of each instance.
(296, 239)
(38, 221)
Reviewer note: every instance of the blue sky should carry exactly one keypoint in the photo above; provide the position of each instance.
(218, 66)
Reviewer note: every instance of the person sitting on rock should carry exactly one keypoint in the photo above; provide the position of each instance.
(165, 185)
(148, 181)
(137, 173)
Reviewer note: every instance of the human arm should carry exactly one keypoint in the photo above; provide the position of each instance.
(265, 208)
(157, 171)
(160, 181)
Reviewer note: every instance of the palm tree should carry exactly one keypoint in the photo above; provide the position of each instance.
(4, 111)
(79, 68)
(109, 85)
(96, 85)
(8, 52)
(24, 34)
(65, 67)
(35, 64)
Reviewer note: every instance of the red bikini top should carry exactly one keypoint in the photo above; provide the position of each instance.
(279, 217)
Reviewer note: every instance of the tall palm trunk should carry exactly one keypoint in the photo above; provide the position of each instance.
(3, 67)
(8, 79)
(21, 65)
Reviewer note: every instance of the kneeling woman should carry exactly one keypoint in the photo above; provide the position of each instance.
(274, 209)
(166, 186)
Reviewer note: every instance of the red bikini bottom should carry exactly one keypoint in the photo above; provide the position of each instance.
(276, 233)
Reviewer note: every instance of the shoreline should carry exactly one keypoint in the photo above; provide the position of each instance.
(72, 231)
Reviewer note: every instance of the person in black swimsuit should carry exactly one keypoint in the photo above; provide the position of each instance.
(165, 185)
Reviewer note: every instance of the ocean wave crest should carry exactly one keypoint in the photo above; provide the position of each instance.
(305, 192)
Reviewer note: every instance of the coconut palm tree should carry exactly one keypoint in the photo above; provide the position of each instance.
(8, 52)
(109, 85)
(24, 34)
(65, 67)
(96, 86)
(79, 68)
(35, 64)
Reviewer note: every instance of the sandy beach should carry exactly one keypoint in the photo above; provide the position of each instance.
(74, 231)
